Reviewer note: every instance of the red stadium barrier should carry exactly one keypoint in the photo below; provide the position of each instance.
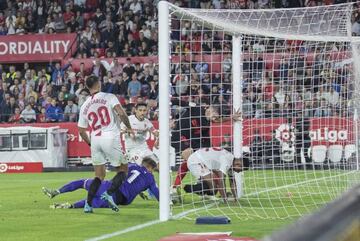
(36, 47)
(271, 60)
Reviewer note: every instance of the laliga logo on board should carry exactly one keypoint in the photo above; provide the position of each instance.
(3, 167)
(324, 134)
(285, 133)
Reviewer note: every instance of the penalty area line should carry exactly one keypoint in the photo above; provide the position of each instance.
(127, 230)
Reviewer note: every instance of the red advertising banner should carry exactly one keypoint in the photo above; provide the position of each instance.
(20, 167)
(36, 47)
(331, 131)
(323, 131)
(264, 127)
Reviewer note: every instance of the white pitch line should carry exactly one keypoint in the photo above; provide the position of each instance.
(180, 215)
(127, 230)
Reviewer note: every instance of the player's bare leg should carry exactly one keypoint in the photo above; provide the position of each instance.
(118, 179)
(182, 171)
(100, 172)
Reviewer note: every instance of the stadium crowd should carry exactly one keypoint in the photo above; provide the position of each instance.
(128, 28)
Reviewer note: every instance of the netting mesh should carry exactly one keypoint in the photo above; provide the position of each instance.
(299, 101)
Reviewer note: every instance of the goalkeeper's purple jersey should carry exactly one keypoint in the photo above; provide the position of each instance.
(137, 181)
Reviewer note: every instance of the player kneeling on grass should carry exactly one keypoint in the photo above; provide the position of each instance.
(210, 166)
(139, 178)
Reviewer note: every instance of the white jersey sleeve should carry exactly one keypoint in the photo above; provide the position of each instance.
(83, 121)
(113, 101)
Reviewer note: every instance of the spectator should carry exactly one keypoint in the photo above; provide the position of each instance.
(134, 86)
(129, 68)
(84, 93)
(323, 110)
(54, 113)
(98, 69)
(15, 118)
(135, 7)
(120, 86)
(42, 116)
(71, 111)
(153, 95)
(28, 115)
(57, 75)
(8, 108)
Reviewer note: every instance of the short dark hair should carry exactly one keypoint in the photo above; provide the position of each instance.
(149, 161)
(140, 104)
(91, 81)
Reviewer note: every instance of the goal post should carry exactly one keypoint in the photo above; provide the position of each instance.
(164, 110)
(237, 102)
(293, 73)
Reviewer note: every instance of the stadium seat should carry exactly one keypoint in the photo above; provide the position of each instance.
(318, 153)
(335, 153)
(349, 150)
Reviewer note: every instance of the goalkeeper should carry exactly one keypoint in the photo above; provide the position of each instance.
(139, 179)
(210, 166)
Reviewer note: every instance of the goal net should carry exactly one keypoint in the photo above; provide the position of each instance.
(293, 74)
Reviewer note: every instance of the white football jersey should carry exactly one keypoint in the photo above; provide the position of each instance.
(141, 130)
(213, 158)
(98, 113)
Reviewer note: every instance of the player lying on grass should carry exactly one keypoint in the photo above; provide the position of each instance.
(210, 166)
(139, 178)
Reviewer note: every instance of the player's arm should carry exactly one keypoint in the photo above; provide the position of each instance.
(84, 135)
(154, 189)
(122, 116)
(236, 116)
(82, 127)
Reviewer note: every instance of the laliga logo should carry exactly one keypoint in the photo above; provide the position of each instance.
(323, 134)
(3, 167)
(285, 133)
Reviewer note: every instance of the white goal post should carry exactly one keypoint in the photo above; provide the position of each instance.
(295, 76)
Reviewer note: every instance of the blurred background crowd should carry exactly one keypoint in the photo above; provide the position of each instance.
(54, 92)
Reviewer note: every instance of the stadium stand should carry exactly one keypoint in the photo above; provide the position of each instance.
(117, 41)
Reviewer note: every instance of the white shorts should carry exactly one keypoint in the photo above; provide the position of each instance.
(196, 168)
(136, 155)
(107, 149)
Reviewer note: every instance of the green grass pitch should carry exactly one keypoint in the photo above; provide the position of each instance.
(25, 213)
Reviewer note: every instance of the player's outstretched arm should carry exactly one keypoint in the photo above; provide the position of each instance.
(236, 116)
(84, 135)
(155, 190)
(122, 116)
